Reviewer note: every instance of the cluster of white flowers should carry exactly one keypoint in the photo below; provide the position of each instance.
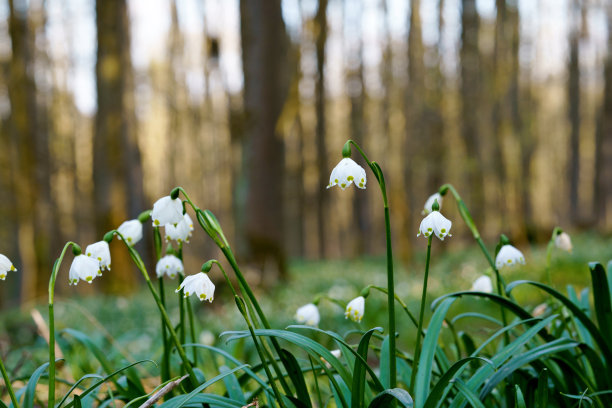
(5, 266)
(168, 212)
(90, 265)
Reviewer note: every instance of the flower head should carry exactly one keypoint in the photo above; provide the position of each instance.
(308, 314)
(5, 266)
(347, 172)
(355, 309)
(83, 268)
(131, 230)
(483, 284)
(429, 203)
(101, 252)
(200, 284)
(181, 232)
(509, 256)
(167, 211)
(563, 242)
(169, 265)
(435, 223)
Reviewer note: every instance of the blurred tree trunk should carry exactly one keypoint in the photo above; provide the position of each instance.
(265, 46)
(30, 150)
(573, 90)
(603, 144)
(471, 100)
(322, 164)
(118, 187)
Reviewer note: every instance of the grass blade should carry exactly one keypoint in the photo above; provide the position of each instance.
(601, 296)
(520, 400)
(30, 390)
(294, 371)
(542, 392)
(386, 398)
(359, 370)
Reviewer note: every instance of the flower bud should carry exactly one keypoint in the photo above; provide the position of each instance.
(108, 237)
(144, 216)
(207, 266)
(175, 193)
(76, 250)
(346, 149)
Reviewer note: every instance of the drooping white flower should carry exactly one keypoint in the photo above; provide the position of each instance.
(83, 268)
(509, 256)
(200, 284)
(483, 284)
(430, 201)
(100, 251)
(308, 314)
(5, 266)
(181, 232)
(347, 172)
(167, 211)
(336, 353)
(131, 230)
(435, 223)
(564, 242)
(355, 309)
(169, 265)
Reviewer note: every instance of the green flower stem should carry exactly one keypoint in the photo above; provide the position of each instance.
(7, 382)
(215, 233)
(467, 217)
(165, 367)
(390, 280)
(162, 310)
(54, 271)
(242, 307)
(181, 300)
(417, 349)
(549, 249)
(192, 332)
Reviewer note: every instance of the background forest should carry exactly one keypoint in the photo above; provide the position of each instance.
(107, 105)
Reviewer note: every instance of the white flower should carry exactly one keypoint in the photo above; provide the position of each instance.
(539, 310)
(308, 314)
(180, 232)
(430, 201)
(84, 268)
(483, 284)
(131, 230)
(435, 223)
(563, 242)
(167, 211)
(169, 265)
(336, 353)
(200, 284)
(347, 172)
(355, 309)
(101, 252)
(5, 266)
(509, 256)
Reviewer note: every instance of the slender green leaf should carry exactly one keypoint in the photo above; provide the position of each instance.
(30, 390)
(428, 351)
(601, 296)
(468, 394)
(294, 371)
(359, 371)
(542, 392)
(386, 398)
(384, 363)
(231, 385)
(519, 402)
(478, 316)
(76, 384)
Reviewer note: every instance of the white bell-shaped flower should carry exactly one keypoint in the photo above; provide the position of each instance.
(169, 265)
(308, 314)
(435, 223)
(131, 230)
(509, 256)
(429, 203)
(167, 211)
(355, 309)
(83, 268)
(5, 266)
(181, 232)
(564, 242)
(483, 284)
(347, 172)
(200, 284)
(100, 251)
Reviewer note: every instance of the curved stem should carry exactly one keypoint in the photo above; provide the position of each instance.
(165, 366)
(417, 349)
(390, 279)
(7, 382)
(162, 310)
(54, 271)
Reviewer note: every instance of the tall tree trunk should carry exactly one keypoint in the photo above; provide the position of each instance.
(322, 164)
(118, 187)
(603, 144)
(574, 114)
(30, 152)
(471, 77)
(265, 45)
